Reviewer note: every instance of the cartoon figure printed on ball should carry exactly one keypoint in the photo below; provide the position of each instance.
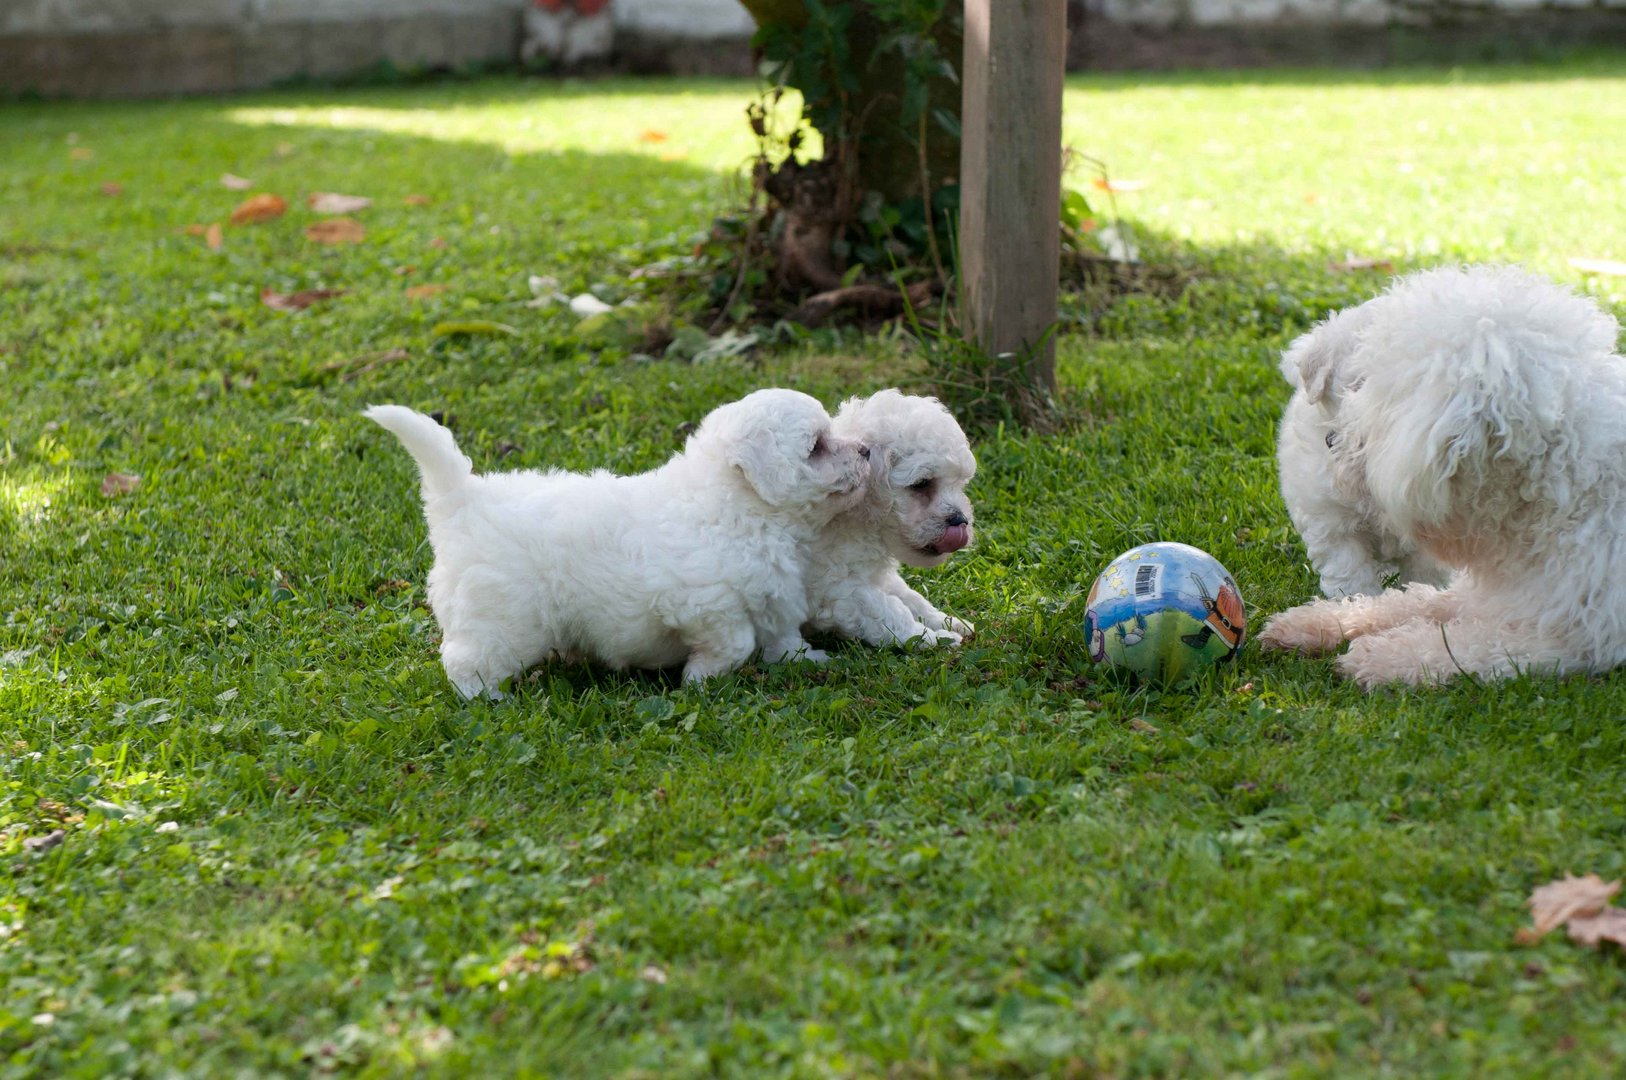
(1225, 616)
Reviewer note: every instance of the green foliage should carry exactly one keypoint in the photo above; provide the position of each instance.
(283, 847)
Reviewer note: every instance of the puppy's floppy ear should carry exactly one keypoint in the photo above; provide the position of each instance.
(1316, 359)
(757, 455)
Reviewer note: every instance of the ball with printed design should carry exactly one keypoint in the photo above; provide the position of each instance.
(1165, 612)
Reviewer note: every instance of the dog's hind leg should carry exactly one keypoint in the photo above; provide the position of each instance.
(717, 648)
(1320, 626)
(1426, 652)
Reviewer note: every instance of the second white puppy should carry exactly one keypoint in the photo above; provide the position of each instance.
(698, 562)
(915, 512)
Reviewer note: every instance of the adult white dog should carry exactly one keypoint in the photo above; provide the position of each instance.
(915, 512)
(698, 562)
(1483, 420)
(1350, 544)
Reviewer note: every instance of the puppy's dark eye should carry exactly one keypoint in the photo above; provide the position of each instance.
(1332, 437)
(922, 486)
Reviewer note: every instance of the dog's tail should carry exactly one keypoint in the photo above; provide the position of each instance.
(445, 468)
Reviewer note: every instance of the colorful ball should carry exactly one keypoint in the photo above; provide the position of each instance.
(1164, 612)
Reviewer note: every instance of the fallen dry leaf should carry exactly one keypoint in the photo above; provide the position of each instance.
(437, 242)
(298, 301)
(262, 207)
(195, 229)
(1351, 263)
(81, 153)
(117, 483)
(1568, 898)
(417, 200)
(213, 236)
(235, 183)
(1118, 187)
(424, 292)
(1609, 267)
(339, 230)
(653, 974)
(1137, 724)
(327, 202)
(112, 189)
(1608, 925)
(651, 135)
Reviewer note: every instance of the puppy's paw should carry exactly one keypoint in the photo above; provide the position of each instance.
(792, 651)
(938, 637)
(958, 627)
(1379, 659)
(1313, 629)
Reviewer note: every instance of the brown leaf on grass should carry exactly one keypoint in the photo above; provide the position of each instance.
(1118, 187)
(437, 242)
(424, 292)
(262, 207)
(117, 483)
(1350, 263)
(213, 236)
(417, 200)
(298, 301)
(81, 153)
(112, 189)
(1137, 724)
(235, 183)
(652, 136)
(195, 229)
(328, 202)
(1560, 901)
(340, 230)
(1607, 925)
(1607, 267)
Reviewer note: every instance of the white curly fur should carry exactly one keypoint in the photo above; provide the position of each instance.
(915, 512)
(697, 562)
(1349, 544)
(1482, 420)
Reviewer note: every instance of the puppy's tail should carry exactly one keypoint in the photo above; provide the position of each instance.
(445, 468)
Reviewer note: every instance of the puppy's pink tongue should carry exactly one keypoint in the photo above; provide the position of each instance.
(954, 538)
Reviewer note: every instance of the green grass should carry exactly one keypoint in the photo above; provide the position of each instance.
(289, 847)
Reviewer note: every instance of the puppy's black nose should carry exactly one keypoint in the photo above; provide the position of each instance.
(954, 519)
(863, 452)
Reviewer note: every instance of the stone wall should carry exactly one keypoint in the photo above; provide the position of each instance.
(128, 48)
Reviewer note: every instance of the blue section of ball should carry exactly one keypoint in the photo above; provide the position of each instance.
(1164, 611)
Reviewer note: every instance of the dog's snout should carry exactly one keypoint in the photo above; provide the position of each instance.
(863, 451)
(954, 518)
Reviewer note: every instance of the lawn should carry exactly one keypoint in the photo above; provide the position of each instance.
(248, 828)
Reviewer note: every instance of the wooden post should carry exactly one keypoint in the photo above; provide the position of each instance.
(1010, 176)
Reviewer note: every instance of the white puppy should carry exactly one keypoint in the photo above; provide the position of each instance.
(1484, 417)
(1350, 545)
(697, 562)
(915, 512)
